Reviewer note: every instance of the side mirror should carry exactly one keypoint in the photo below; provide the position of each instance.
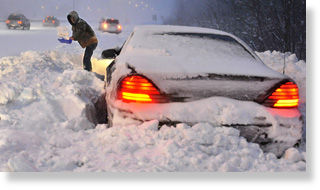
(109, 54)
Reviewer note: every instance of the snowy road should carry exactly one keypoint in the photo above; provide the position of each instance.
(40, 38)
(47, 118)
(15, 41)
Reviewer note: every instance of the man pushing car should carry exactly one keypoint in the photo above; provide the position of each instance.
(83, 33)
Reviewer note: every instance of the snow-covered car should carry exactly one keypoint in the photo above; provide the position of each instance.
(188, 74)
(50, 21)
(16, 21)
(110, 25)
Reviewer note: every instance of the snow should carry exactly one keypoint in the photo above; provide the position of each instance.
(47, 123)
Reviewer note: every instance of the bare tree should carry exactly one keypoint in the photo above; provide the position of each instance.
(273, 24)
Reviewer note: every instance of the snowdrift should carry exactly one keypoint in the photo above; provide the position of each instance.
(48, 123)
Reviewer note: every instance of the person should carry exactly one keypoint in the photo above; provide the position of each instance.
(83, 33)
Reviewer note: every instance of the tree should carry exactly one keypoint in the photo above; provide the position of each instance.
(264, 25)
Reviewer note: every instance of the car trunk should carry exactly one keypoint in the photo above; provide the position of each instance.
(14, 23)
(248, 88)
(243, 80)
(113, 27)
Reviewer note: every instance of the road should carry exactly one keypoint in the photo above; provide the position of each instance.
(40, 38)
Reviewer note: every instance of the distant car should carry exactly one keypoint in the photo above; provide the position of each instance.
(51, 21)
(164, 72)
(110, 25)
(18, 21)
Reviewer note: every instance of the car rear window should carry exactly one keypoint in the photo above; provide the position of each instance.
(198, 45)
(217, 37)
(111, 21)
(14, 17)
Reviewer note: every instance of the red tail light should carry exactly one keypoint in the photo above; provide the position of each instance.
(19, 22)
(43, 21)
(286, 96)
(53, 21)
(7, 21)
(139, 89)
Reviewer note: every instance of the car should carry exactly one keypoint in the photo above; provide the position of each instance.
(110, 25)
(16, 21)
(178, 74)
(51, 21)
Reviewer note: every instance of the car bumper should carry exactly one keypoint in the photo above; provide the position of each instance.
(50, 25)
(274, 129)
(14, 25)
(111, 30)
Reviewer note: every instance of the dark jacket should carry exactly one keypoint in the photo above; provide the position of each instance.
(81, 31)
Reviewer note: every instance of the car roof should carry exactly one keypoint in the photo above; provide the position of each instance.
(112, 20)
(180, 29)
(52, 17)
(16, 14)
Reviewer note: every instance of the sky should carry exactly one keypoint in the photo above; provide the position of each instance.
(130, 11)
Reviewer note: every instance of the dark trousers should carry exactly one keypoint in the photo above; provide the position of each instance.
(87, 56)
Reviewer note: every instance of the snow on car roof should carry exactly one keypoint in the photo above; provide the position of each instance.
(179, 51)
(171, 28)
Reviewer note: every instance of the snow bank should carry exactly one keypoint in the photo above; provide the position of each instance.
(47, 124)
(42, 93)
(201, 147)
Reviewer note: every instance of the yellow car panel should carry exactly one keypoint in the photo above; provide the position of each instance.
(99, 65)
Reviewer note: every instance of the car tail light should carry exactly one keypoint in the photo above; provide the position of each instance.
(136, 88)
(105, 25)
(43, 21)
(285, 96)
(7, 21)
(53, 21)
(19, 22)
(119, 27)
